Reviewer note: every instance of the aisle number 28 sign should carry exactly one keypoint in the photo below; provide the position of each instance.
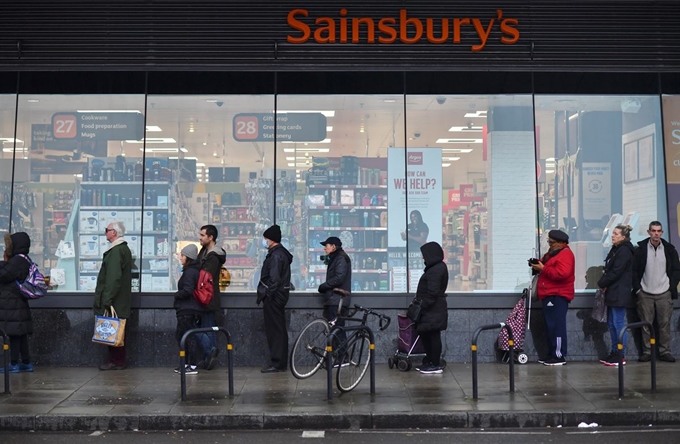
(246, 127)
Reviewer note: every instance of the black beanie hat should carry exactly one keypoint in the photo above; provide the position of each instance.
(273, 233)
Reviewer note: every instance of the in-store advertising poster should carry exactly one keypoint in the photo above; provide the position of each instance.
(414, 185)
(597, 184)
(671, 124)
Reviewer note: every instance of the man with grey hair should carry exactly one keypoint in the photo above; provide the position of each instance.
(114, 286)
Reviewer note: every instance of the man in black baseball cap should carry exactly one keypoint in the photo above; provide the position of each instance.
(333, 241)
(338, 275)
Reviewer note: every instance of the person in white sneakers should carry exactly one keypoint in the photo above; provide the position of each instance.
(555, 289)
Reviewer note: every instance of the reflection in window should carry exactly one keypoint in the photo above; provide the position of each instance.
(600, 159)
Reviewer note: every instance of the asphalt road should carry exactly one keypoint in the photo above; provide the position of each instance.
(601, 435)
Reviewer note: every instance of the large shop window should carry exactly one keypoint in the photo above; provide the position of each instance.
(485, 176)
(601, 164)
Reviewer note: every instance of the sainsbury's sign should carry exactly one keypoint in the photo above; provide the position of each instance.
(404, 29)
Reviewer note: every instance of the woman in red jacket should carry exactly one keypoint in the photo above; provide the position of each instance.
(555, 288)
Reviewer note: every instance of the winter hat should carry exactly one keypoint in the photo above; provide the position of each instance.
(190, 251)
(273, 233)
(559, 236)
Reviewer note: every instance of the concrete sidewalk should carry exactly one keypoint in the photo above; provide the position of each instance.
(60, 399)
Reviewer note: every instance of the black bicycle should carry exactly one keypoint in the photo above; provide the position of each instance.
(309, 350)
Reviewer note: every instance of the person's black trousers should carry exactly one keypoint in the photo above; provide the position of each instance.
(277, 333)
(432, 343)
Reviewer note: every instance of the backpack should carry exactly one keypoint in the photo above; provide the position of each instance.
(204, 288)
(34, 286)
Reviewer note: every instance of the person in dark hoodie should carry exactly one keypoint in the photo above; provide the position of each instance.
(617, 285)
(211, 258)
(189, 311)
(434, 315)
(15, 314)
(273, 291)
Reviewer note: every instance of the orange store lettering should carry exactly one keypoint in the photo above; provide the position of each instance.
(408, 30)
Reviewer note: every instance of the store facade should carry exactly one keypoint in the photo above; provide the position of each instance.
(481, 126)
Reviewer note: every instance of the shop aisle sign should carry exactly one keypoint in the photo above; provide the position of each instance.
(597, 190)
(286, 127)
(423, 188)
(98, 126)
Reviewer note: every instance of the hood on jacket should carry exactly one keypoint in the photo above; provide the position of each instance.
(192, 263)
(17, 243)
(218, 251)
(432, 253)
(289, 256)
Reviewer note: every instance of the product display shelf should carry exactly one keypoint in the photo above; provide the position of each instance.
(357, 215)
(147, 219)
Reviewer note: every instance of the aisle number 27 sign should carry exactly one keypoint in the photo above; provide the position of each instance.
(64, 126)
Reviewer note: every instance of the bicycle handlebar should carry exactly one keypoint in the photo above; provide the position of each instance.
(383, 320)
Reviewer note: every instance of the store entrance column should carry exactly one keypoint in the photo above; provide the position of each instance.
(511, 178)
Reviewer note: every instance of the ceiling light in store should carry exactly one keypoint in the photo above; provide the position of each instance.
(33, 100)
(160, 150)
(467, 129)
(211, 100)
(549, 171)
(184, 150)
(476, 114)
(451, 159)
(200, 164)
(305, 150)
(153, 140)
(389, 100)
(8, 140)
(191, 129)
(444, 165)
(459, 141)
(311, 141)
(153, 129)
(108, 111)
(329, 129)
(10, 150)
(456, 150)
(325, 113)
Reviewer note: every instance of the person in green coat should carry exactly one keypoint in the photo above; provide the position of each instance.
(114, 286)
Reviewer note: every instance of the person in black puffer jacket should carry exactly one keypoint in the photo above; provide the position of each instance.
(189, 311)
(15, 314)
(617, 285)
(434, 315)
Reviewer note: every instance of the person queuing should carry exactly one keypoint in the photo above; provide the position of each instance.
(211, 257)
(555, 289)
(656, 274)
(114, 286)
(434, 316)
(273, 291)
(15, 313)
(617, 283)
(188, 310)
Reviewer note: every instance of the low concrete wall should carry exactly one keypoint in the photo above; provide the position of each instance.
(62, 337)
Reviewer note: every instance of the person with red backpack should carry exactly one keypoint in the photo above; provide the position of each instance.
(211, 257)
(15, 313)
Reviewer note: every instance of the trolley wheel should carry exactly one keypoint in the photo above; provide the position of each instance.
(522, 358)
(390, 363)
(442, 363)
(404, 365)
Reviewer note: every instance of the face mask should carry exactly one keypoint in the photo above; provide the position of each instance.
(264, 243)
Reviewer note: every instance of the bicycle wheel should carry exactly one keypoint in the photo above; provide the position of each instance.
(354, 363)
(309, 350)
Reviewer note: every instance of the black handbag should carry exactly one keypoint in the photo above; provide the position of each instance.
(413, 312)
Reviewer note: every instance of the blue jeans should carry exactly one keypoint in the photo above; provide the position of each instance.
(208, 341)
(616, 319)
